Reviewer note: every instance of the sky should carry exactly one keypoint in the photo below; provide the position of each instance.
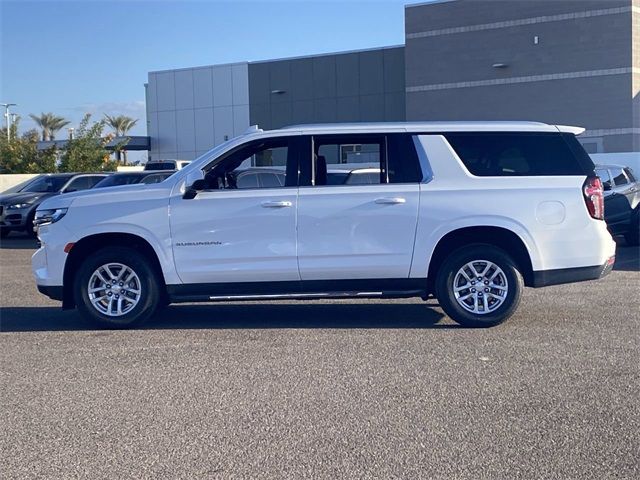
(72, 57)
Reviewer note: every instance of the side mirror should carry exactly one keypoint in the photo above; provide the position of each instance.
(192, 190)
(606, 186)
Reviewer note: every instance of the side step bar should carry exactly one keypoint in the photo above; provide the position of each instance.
(297, 296)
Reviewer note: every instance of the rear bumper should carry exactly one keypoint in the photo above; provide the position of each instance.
(544, 278)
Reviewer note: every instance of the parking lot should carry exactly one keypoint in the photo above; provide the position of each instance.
(331, 389)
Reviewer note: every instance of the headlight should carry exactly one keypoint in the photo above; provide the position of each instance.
(16, 206)
(46, 217)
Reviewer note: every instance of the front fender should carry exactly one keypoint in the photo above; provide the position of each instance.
(161, 244)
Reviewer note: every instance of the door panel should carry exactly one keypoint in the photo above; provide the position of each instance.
(232, 232)
(236, 236)
(356, 232)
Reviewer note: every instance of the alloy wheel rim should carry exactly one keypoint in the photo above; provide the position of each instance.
(480, 287)
(114, 289)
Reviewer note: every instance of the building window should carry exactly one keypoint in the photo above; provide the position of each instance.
(592, 144)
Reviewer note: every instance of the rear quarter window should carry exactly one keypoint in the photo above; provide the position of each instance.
(497, 154)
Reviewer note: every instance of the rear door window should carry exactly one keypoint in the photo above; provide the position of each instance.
(364, 159)
(498, 154)
(363, 178)
(403, 164)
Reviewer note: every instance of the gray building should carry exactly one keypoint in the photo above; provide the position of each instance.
(555, 61)
(192, 109)
(365, 85)
(561, 61)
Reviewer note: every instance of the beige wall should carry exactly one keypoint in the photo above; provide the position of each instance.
(10, 180)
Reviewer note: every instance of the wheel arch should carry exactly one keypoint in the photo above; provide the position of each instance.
(500, 237)
(91, 244)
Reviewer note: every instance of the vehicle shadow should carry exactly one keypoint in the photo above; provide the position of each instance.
(627, 258)
(241, 316)
(18, 241)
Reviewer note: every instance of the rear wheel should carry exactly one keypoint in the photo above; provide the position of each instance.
(116, 288)
(479, 286)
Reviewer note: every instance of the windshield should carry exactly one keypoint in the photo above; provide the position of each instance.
(46, 184)
(21, 185)
(120, 179)
(156, 177)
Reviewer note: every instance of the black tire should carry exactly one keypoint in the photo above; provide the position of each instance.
(633, 235)
(4, 232)
(149, 287)
(447, 274)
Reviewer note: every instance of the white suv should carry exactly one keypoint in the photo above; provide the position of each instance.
(469, 212)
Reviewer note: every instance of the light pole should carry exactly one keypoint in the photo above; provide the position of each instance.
(7, 115)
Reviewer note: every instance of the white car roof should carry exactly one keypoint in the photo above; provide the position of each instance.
(424, 127)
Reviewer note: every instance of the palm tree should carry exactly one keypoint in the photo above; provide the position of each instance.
(121, 124)
(50, 124)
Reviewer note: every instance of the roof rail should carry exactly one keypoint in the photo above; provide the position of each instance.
(253, 129)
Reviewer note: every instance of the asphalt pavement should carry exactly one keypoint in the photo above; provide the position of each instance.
(326, 389)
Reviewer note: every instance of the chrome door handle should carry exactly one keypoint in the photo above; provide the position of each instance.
(273, 204)
(390, 200)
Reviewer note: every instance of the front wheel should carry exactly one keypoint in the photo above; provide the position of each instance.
(117, 288)
(479, 286)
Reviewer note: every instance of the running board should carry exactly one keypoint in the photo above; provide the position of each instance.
(315, 290)
(296, 296)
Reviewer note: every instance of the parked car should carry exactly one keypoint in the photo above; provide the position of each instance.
(621, 201)
(353, 176)
(258, 177)
(272, 177)
(166, 164)
(18, 206)
(468, 212)
(130, 178)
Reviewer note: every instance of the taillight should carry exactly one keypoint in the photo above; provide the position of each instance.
(594, 197)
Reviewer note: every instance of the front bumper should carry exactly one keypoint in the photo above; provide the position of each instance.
(14, 218)
(544, 278)
(54, 292)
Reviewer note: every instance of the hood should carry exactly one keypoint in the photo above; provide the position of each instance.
(100, 195)
(23, 197)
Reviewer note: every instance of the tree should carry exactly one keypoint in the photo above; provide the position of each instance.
(21, 155)
(121, 124)
(50, 124)
(87, 151)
